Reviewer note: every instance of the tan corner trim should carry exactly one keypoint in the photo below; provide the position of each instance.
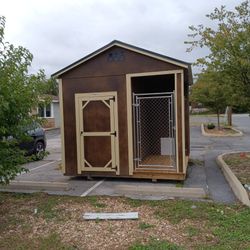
(183, 123)
(176, 124)
(233, 181)
(117, 151)
(78, 139)
(129, 124)
(62, 125)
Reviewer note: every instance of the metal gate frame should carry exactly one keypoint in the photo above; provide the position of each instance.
(137, 138)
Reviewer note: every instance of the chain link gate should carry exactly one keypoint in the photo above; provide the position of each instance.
(154, 131)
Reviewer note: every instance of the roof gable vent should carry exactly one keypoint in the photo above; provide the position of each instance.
(115, 56)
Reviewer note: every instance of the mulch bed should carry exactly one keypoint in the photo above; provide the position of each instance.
(65, 219)
(220, 131)
(239, 163)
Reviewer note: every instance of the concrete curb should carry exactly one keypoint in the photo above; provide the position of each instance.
(36, 185)
(177, 192)
(233, 181)
(204, 133)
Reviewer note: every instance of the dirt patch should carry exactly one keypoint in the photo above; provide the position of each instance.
(239, 163)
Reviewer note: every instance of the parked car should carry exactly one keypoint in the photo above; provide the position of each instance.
(37, 143)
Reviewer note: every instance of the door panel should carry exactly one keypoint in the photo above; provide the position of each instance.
(97, 132)
(96, 117)
(93, 145)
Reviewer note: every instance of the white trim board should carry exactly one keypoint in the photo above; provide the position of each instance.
(111, 216)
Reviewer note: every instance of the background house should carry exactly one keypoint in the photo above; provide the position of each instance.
(50, 113)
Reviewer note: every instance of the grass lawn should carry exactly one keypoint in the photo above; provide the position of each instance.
(41, 221)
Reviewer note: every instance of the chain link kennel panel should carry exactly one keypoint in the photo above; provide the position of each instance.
(154, 131)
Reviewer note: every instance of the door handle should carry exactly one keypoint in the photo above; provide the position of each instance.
(81, 132)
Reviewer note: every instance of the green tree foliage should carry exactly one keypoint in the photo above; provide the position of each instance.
(19, 94)
(52, 87)
(228, 41)
(210, 93)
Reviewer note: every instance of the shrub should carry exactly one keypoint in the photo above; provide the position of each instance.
(210, 126)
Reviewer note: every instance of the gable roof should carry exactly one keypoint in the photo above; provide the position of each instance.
(126, 46)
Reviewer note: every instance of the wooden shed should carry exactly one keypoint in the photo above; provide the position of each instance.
(124, 113)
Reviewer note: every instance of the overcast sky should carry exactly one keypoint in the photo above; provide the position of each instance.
(59, 32)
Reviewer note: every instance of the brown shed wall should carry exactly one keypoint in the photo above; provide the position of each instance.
(101, 75)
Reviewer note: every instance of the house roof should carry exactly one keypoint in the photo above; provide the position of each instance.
(126, 46)
(53, 98)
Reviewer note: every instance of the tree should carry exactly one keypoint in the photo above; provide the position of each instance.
(210, 93)
(52, 87)
(228, 42)
(19, 94)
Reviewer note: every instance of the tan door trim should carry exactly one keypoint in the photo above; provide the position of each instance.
(61, 124)
(180, 131)
(100, 96)
(129, 110)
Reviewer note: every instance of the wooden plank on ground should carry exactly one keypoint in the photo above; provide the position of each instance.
(111, 216)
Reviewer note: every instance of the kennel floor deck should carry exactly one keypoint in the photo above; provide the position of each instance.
(157, 162)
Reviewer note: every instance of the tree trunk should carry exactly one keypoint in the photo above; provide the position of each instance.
(218, 119)
(229, 116)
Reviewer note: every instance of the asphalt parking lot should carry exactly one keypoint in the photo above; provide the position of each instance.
(204, 178)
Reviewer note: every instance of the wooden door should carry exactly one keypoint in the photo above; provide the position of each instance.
(97, 132)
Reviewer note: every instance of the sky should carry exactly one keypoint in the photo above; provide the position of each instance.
(59, 32)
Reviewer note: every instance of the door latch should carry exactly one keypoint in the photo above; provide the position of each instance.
(113, 133)
(115, 168)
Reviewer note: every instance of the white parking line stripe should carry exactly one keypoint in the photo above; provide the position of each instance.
(92, 188)
(46, 164)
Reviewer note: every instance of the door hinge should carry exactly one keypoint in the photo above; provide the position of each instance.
(112, 99)
(115, 168)
(113, 133)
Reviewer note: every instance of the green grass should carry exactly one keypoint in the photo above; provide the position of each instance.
(93, 200)
(229, 224)
(52, 242)
(47, 209)
(179, 184)
(192, 231)
(144, 225)
(175, 211)
(9, 221)
(155, 245)
(134, 202)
